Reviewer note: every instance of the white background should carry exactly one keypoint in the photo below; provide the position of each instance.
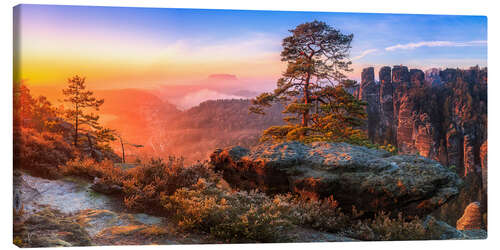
(456, 7)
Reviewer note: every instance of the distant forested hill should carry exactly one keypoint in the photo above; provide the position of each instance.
(143, 118)
(196, 132)
(228, 115)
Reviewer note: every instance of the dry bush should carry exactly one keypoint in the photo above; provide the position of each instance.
(194, 195)
(226, 215)
(88, 168)
(196, 199)
(143, 186)
(384, 227)
(323, 215)
(41, 153)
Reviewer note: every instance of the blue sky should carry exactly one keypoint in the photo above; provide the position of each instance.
(171, 45)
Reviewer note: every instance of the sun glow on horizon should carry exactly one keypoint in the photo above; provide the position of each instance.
(149, 48)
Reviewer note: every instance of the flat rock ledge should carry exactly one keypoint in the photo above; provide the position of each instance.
(369, 179)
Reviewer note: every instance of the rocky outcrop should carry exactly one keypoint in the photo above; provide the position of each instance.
(387, 124)
(438, 114)
(404, 131)
(417, 78)
(471, 218)
(369, 92)
(448, 75)
(400, 75)
(483, 155)
(369, 179)
(432, 77)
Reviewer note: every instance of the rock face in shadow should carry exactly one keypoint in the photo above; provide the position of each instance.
(432, 77)
(387, 124)
(483, 154)
(372, 180)
(369, 92)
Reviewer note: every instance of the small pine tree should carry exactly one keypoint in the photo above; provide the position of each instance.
(80, 100)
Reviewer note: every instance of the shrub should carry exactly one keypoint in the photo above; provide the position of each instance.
(40, 153)
(384, 227)
(143, 186)
(88, 168)
(323, 215)
(389, 148)
(199, 200)
(230, 216)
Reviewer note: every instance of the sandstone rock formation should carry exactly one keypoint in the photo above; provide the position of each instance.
(439, 230)
(471, 218)
(432, 77)
(483, 154)
(369, 92)
(439, 114)
(387, 123)
(372, 180)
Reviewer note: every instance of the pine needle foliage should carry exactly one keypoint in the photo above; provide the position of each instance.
(314, 88)
(84, 121)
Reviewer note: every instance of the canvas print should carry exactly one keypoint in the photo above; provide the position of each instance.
(140, 126)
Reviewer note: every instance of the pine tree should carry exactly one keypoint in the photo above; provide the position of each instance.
(313, 87)
(341, 115)
(37, 113)
(23, 104)
(80, 100)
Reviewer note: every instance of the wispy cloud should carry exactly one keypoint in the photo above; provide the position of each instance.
(364, 53)
(436, 44)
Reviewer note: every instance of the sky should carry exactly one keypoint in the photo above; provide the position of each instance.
(150, 48)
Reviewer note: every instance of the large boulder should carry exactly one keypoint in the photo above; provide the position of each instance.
(372, 180)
